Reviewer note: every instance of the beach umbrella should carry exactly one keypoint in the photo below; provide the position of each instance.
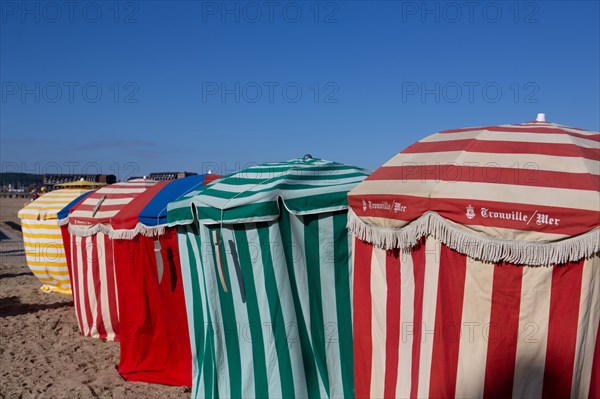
(81, 184)
(44, 249)
(95, 292)
(266, 268)
(476, 269)
(154, 345)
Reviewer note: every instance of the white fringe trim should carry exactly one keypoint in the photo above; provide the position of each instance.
(62, 222)
(87, 231)
(477, 246)
(148, 231)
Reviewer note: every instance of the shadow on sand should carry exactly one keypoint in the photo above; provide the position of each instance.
(12, 306)
(11, 275)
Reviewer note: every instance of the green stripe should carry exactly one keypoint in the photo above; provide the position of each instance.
(255, 210)
(179, 212)
(316, 202)
(314, 176)
(310, 370)
(197, 312)
(230, 327)
(209, 381)
(209, 367)
(270, 208)
(313, 263)
(342, 300)
(261, 384)
(277, 318)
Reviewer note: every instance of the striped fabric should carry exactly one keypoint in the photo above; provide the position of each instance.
(44, 249)
(435, 323)
(268, 290)
(92, 254)
(307, 185)
(111, 200)
(283, 327)
(155, 344)
(447, 301)
(94, 286)
(534, 181)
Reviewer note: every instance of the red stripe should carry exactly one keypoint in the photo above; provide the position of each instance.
(392, 342)
(595, 379)
(103, 208)
(97, 287)
(111, 286)
(448, 319)
(75, 283)
(210, 178)
(488, 174)
(418, 256)
(95, 196)
(503, 331)
(529, 129)
(562, 329)
(363, 347)
(86, 295)
(571, 221)
(504, 147)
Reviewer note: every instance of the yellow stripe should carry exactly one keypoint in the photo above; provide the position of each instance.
(50, 201)
(37, 225)
(37, 239)
(63, 271)
(46, 260)
(35, 246)
(56, 280)
(58, 273)
(48, 210)
(49, 273)
(49, 236)
(46, 264)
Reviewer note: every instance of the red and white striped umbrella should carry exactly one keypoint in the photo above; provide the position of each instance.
(446, 301)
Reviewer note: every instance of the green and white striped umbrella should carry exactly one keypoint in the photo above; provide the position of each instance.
(267, 272)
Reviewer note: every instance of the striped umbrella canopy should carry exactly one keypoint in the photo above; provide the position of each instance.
(154, 345)
(63, 214)
(44, 248)
(487, 191)
(95, 291)
(147, 214)
(267, 280)
(446, 301)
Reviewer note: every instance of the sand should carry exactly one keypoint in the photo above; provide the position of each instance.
(42, 354)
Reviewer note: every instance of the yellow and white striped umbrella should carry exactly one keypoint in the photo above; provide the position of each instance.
(43, 242)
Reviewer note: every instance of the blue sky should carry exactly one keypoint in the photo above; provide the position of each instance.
(136, 87)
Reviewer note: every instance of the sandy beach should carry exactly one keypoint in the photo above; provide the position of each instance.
(42, 354)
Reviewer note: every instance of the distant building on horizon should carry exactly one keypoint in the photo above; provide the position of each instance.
(163, 176)
(51, 181)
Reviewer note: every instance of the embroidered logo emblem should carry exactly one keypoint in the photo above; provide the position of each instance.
(470, 212)
(364, 205)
